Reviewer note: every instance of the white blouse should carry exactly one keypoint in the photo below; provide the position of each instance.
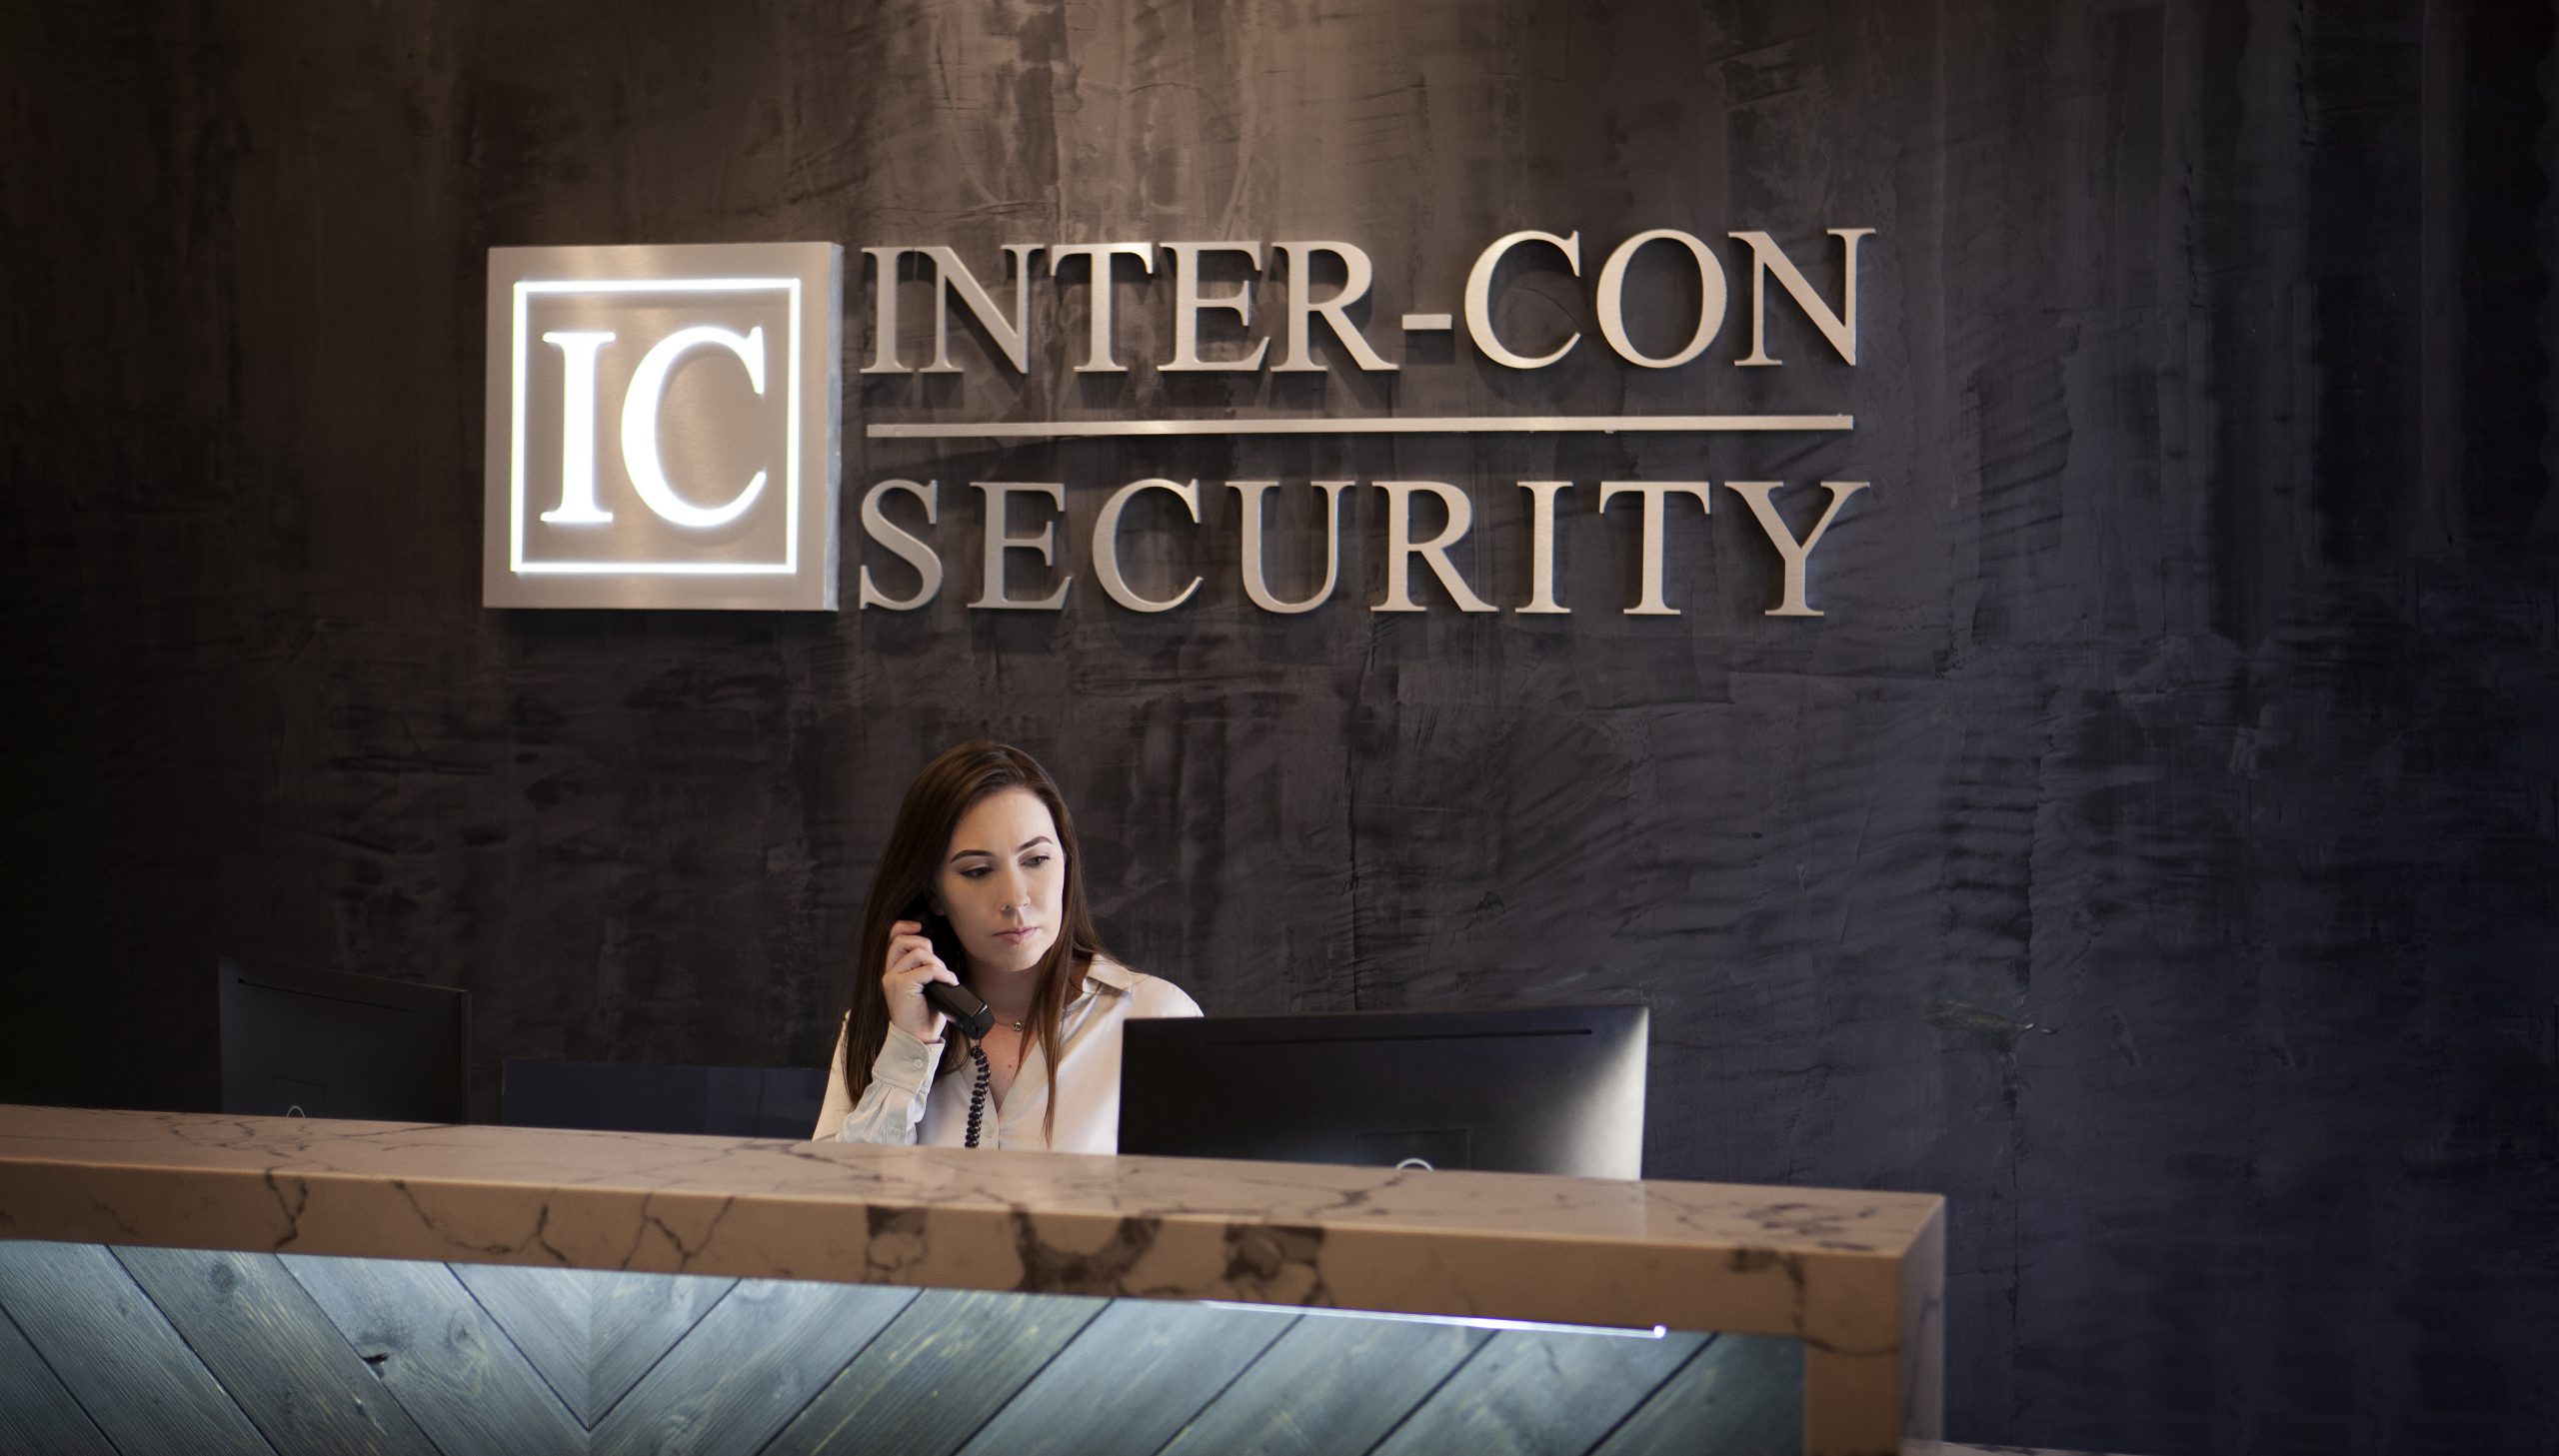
(906, 1103)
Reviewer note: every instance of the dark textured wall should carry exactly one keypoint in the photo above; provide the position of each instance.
(2152, 850)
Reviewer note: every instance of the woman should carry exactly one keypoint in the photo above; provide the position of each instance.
(983, 885)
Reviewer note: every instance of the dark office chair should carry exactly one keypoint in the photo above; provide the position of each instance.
(625, 1097)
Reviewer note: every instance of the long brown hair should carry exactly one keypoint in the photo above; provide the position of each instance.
(939, 797)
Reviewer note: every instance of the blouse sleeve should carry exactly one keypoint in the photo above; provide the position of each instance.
(891, 1105)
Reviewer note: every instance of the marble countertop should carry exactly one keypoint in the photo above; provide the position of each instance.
(1858, 1275)
(972, 1219)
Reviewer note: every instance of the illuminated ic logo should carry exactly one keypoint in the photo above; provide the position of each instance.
(663, 426)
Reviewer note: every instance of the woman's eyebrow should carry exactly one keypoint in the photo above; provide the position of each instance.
(958, 854)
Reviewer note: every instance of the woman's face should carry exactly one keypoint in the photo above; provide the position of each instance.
(1003, 882)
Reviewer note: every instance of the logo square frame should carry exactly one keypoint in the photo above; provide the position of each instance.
(807, 280)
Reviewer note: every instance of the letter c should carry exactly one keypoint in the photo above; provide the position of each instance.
(1479, 295)
(640, 423)
(1105, 543)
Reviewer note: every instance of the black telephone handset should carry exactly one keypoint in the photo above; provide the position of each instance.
(956, 1002)
(962, 1007)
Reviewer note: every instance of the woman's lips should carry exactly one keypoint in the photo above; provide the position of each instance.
(1018, 937)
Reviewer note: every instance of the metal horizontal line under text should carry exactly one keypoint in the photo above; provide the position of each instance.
(1460, 424)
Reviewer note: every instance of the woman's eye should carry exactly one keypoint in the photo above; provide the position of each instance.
(976, 872)
(1034, 861)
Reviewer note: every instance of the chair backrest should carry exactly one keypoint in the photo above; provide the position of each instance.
(625, 1097)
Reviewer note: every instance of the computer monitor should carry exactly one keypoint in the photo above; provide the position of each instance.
(629, 1096)
(1525, 1091)
(329, 1044)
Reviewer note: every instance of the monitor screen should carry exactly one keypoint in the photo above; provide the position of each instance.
(328, 1044)
(1524, 1091)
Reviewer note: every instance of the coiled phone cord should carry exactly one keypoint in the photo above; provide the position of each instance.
(978, 1094)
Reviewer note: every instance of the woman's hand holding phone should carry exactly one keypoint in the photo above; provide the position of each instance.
(912, 966)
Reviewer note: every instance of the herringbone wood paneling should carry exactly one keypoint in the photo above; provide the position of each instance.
(116, 1353)
(747, 1368)
(592, 1333)
(37, 1413)
(168, 1352)
(1130, 1380)
(1742, 1396)
(276, 1355)
(1328, 1385)
(1530, 1392)
(440, 1355)
(936, 1375)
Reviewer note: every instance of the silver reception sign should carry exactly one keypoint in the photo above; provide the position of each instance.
(663, 426)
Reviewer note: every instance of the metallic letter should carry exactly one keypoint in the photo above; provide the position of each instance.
(883, 311)
(1356, 277)
(952, 276)
(1254, 585)
(1479, 295)
(1794, 552)
(1099, 361)
(1653, 493)
(1106, 543)
(996, 493)
(1542, 545)
(901, 544)
(1612, 285)
(578, 431)
(640, 423)
(1839, 327)
(1188, 302)
(1401, 547)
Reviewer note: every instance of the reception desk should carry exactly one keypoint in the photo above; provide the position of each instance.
(528, 1289)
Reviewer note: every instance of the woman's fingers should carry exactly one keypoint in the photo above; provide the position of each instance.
(912, 962)
(903, 986)
(930, 967)
(906, 951)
